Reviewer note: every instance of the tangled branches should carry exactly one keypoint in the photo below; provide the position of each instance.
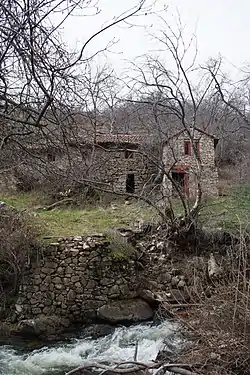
(17, 242)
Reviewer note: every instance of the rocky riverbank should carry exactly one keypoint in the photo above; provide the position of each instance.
(136, 276)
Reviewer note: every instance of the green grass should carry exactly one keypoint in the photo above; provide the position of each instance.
(230, 212)
(61, 222)
(23, 200)
(78, 221)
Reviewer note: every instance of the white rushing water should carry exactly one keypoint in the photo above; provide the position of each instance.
(120, 346)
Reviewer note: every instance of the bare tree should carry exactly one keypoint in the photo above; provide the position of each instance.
(38, 72)
(177, 90)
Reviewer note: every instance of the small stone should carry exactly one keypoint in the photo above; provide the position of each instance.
(69, 270)
(57, 280)
(71, 295)
(91, 284)
(79, 291)
(114, 290)
(36, 311)
(60, 298)
(175, 280)
(85, 246)
(105, 281)
(58, 286)
(77, 238)
(60, 270)
(74, 308)
(47, 310)
(19, 308)
(74, 279)
(181, 284)
(160, 245)
(214, 356)
(47, 270)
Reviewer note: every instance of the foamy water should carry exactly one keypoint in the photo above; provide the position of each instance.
(119, 346)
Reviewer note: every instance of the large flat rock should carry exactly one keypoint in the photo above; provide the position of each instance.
(133, 310)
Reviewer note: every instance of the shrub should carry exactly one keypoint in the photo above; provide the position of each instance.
(17, 244)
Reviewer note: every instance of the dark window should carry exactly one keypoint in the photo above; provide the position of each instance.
(51, 156)
(130, 183)
(197, 146)
(187, 147)
(129, 154)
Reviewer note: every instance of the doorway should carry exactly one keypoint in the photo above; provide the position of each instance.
(181, 179)
(130, 183)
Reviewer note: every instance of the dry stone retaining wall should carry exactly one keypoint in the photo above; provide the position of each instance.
(74, 278)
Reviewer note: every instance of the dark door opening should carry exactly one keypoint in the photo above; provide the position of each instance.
(181, 179)
(130, 183)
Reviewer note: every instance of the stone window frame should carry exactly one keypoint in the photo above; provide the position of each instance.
(187, 147)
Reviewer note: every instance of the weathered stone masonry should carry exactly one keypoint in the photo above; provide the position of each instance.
(74, 278)
(175, 160)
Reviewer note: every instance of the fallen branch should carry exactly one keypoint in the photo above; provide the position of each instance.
(138, 366)
(116, 370)
(57, 204)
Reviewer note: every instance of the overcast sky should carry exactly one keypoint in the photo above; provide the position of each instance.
(222, 28)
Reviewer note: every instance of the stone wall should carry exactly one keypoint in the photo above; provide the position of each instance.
(111, 166)
(174, 157)
(107, 165)
(75, 277)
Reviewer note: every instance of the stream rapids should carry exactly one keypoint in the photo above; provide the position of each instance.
(59, 358)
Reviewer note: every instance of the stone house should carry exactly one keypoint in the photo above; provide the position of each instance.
(114, 163)
(120, 162)
(179, 160)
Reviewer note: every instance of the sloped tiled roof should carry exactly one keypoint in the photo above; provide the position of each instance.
(120, 138)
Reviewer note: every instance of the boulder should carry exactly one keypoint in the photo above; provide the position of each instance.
(134, 310)
(149, 297)
(42, 327)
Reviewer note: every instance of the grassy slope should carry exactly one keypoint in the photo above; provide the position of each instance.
(73, 221)
(230, 212)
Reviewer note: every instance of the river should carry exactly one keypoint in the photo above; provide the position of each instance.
(118, 346)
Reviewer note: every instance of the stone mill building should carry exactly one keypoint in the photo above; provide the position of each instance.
(179, 160)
